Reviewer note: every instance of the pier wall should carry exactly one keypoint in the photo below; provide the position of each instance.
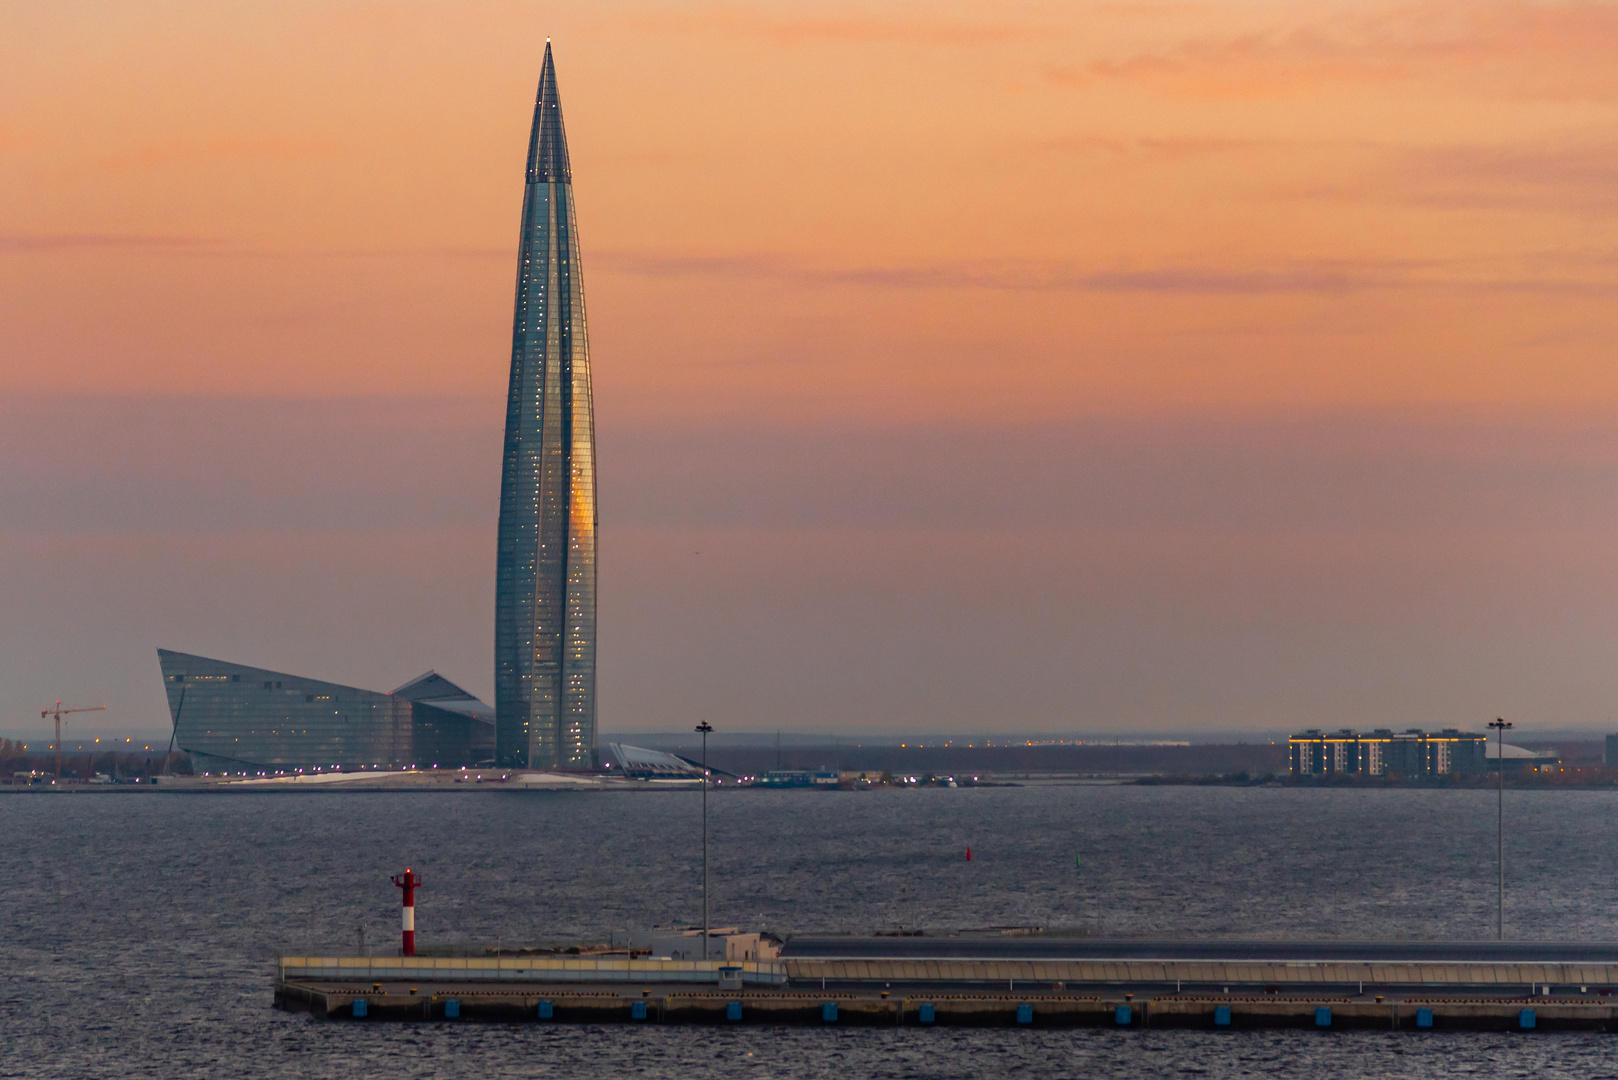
(1381, 995)
(580, 1004)
(1201, 972)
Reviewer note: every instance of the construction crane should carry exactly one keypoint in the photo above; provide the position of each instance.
(60, 712)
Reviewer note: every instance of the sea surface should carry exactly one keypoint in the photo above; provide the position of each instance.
(138, 931)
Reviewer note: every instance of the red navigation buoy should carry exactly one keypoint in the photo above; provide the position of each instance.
(969, 854)
(409, 882)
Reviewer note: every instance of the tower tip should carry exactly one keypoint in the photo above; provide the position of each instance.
(547, 145)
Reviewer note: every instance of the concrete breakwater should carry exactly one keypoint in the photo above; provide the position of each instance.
(665, 1005)
(1384, 996)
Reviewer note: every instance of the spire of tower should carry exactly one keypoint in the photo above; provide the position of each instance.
(547, 144)
(545, 572)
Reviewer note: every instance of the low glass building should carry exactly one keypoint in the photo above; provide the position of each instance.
(644, 764)
(233, 718)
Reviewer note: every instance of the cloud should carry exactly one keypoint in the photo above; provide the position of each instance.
(1516, 49)
(1158, 148)
(1342, 471)
(1570, 172)
(1017, 275)
(193, 152)
(1567, 174)
(194, 465)
(35, 242)
(1310, 276)
(223, 464)
(845, 29)
(1553, 176)
(12, 139)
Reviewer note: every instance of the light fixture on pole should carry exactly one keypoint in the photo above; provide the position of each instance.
(704, 728)
(1501, 726)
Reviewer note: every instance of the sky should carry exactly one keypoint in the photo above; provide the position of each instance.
(1062, 367)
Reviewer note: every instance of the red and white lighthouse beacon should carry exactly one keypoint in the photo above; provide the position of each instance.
(409, 882)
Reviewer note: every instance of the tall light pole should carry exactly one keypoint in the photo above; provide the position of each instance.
(1500, 824)
(704, 728)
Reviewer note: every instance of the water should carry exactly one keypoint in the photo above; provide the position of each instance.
(137, 931)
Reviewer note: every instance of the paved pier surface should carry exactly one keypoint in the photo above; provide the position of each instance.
(1037, 947)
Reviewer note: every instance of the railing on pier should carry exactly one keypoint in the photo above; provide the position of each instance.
(526, 969)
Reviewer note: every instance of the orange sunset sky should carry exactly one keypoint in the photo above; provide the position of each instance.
(1112, 367)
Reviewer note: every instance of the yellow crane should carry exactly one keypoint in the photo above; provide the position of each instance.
(59, 712)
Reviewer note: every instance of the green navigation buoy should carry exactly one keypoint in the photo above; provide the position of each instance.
(1075, 862)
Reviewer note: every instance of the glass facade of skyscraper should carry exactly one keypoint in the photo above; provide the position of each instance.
(545, 598)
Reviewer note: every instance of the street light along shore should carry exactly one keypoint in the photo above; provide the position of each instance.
(704, 728)
(1501, 726)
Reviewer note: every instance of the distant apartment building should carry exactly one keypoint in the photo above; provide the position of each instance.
(1413, 753)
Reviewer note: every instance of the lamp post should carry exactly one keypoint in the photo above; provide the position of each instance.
(1500, 824)
(704, 728)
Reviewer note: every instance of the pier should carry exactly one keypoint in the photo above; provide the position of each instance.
(1397, 986)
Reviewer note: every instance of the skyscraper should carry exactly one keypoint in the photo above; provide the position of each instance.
(545, 598)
